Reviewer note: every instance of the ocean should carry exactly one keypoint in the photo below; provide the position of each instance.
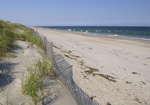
(116, 31)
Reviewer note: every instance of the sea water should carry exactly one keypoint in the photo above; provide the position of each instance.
(138, 32)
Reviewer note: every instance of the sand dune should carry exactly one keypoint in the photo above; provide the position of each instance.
(10, 80)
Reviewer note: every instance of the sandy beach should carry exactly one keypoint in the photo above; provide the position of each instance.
(109, 69)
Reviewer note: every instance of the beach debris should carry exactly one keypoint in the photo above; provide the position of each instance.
(110, 78)
(56, 47)
(108, 103)
(71, 56)
(147, 57)
(134, 72)
(84, 75)
(137, 100)
(147, 81)
(118, 90)
(81, 63)
(28, 46)
(76, 56)
(91, 70)
(112, 73)
(116, 54)
(90, 48)
(69, 51)
(92, 97)
(68, 56)
(128, 82)
(143, 82)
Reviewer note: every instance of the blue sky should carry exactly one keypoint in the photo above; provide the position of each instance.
(77, 12)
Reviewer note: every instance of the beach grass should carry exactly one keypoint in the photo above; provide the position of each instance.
(11, 32)
(33, 86)
(7, 41)
(9, 102)
(29, 36)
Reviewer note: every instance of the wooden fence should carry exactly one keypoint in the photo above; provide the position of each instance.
(64, 71)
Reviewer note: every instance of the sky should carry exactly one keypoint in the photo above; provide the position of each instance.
(76, 12)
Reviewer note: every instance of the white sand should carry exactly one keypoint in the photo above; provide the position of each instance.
(114, 70)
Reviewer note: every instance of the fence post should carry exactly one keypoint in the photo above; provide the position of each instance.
(52, 54)
(45, 45)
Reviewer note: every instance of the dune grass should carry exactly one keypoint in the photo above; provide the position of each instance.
(9, 102)
(29, 36)
(11, 32)
(33, 86)
(7, 41)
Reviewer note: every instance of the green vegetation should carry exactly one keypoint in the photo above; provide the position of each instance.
(10, 55)
(10, 32)
(34, 83)
(28, 35)
(8, 102)
(7, 39)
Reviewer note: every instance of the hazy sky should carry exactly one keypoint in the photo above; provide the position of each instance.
(77, 12)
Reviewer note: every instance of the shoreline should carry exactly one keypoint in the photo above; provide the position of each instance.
(140, 40)
(99, 34)
(114, 70)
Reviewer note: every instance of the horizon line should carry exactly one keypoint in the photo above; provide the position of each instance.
(89, 26)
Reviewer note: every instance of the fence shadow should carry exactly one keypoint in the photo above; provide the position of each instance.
(64, 71)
